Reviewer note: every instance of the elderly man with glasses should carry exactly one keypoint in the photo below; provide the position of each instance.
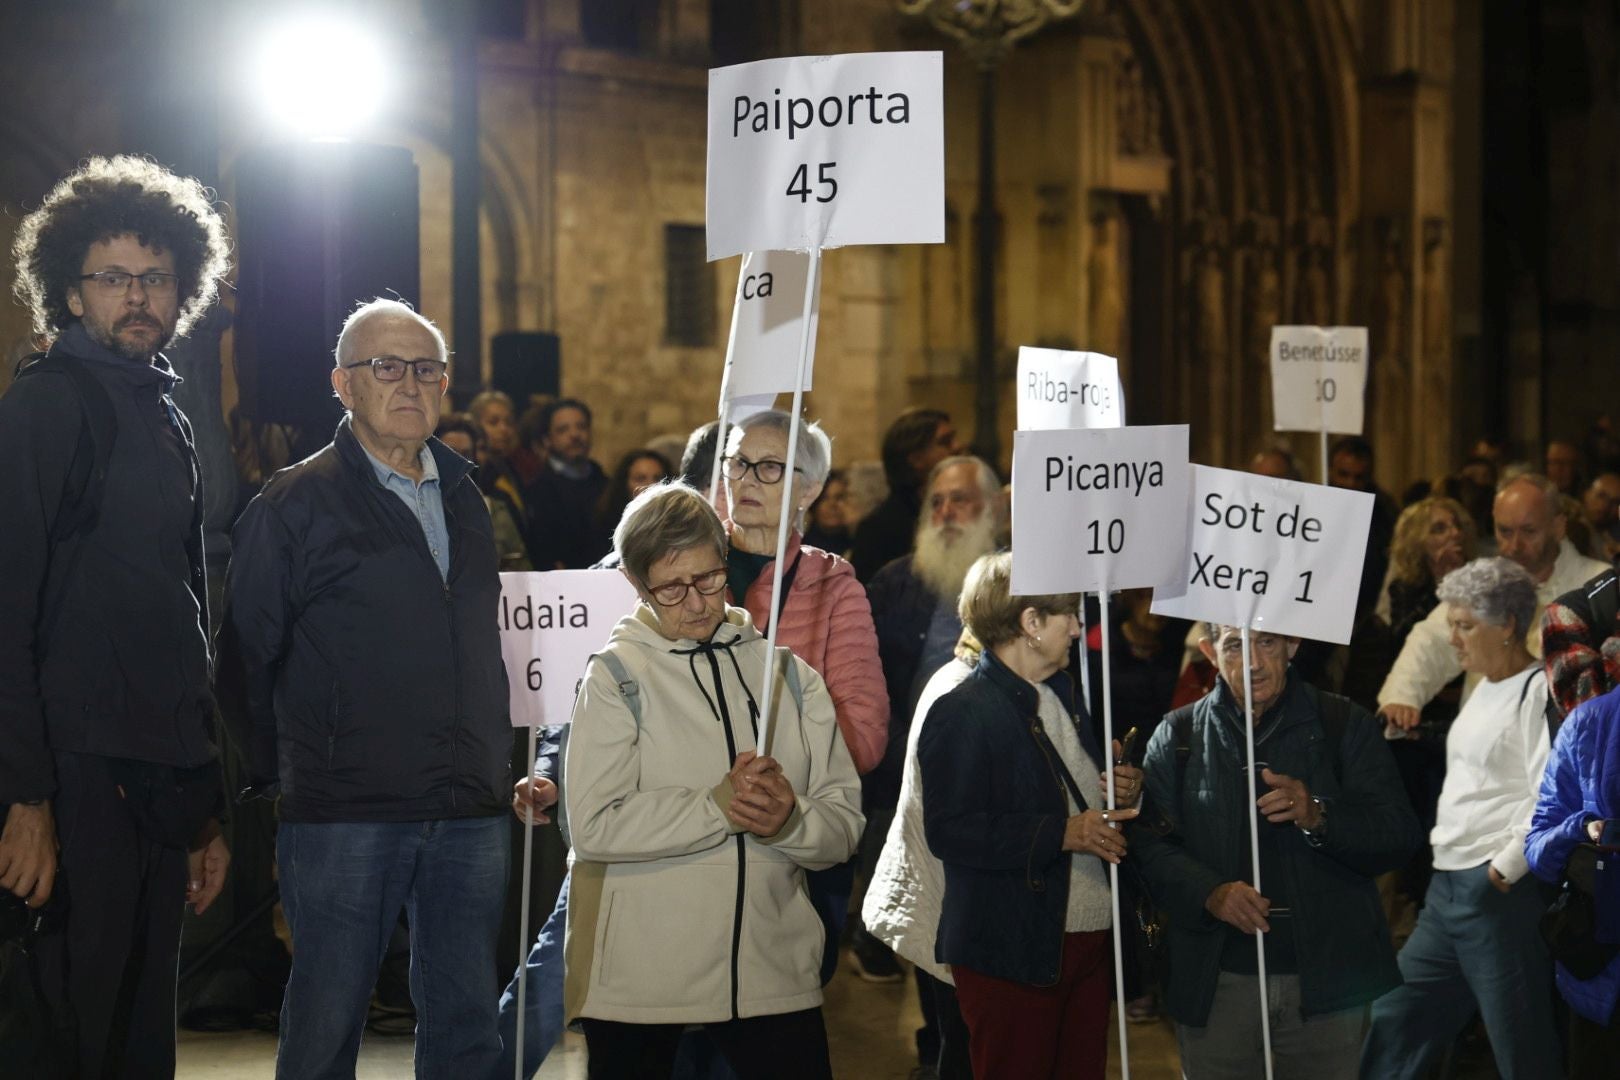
(361, 599)
(1332, 816)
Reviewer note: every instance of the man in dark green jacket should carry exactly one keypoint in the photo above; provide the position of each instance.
(1333, 815)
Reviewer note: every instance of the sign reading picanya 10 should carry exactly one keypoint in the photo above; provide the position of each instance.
(823, 151)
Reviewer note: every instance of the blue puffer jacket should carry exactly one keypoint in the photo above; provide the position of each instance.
(1191, 840)
(1582, 783)
(994, 815)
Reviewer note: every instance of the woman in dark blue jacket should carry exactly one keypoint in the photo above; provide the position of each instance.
(1013, 806)
(1580, 794)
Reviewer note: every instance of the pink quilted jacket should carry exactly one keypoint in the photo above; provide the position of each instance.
(827, 622)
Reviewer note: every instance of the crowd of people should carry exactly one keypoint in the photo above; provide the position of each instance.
(919, 782)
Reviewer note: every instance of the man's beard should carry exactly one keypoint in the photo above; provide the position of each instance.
(942, 561)
(129, 350)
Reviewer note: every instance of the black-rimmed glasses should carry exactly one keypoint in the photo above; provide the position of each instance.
(768, 471)
(672, 593)
(117, 282)
(392, 368)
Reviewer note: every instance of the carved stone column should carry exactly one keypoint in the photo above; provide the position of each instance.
(1404, 266)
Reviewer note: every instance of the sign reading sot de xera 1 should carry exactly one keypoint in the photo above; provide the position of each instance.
(1276, 555)
(825, 151)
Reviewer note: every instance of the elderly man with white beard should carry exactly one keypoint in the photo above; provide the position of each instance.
(914, 611)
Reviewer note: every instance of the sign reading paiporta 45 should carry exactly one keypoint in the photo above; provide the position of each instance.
(823, 151)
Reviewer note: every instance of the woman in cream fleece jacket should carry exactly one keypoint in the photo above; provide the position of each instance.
(691, 841)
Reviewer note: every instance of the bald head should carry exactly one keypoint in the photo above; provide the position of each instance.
(1529, 524)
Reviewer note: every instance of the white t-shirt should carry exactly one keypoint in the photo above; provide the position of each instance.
(1090, 903)
(1495, 755)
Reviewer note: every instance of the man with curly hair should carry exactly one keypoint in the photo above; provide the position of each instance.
(108, 774)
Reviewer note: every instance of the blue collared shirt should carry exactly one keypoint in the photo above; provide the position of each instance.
(424, 499)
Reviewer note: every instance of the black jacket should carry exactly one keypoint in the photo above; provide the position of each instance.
(886, 533)
(995, 812)
(564, 532)
(375, 689)
(902, 610)
(1189, 841)
(103, 647)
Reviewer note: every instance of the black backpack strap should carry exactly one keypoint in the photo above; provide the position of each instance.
(80, 505)
(79, 508)
(1183, 719)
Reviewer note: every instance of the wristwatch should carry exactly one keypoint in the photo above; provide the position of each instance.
(1318, 836)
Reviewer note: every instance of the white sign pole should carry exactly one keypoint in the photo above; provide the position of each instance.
(1113, 804)
(1324, 434)
(812, 282)
(725, 379)
(523, 918)
(1254, 846)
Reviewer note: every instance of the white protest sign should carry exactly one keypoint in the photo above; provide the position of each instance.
(1318, 378)
(770, 302)
(551, 622)
(822, 151)
(1281, 556)
(1090, 508)
(1059, 389)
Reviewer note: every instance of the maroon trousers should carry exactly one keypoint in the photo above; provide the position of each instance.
(1024, 1032)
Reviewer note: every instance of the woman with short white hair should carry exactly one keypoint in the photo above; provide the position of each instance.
(687, 904)
(1477, 946)
(824, 615)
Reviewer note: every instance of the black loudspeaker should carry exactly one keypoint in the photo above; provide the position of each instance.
(320, 229)
(525, 362)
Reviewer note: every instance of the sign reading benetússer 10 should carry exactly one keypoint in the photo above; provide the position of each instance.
(1281, 556)
(1090, 508)
(1318, 378)
(824, 151)
(551, 622)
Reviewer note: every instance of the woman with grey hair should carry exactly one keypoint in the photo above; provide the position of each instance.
(1477, 945)
(824, 616)
(687, 904)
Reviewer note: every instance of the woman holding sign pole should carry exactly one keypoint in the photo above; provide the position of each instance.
(825, 617)
(1013, 786)
(687, 904)
(1477, 945)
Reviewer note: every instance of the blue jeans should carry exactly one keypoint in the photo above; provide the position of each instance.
(342, 888)
(543, 1000)
(1473, 948)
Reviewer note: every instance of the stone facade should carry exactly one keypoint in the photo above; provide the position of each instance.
(1175, 176)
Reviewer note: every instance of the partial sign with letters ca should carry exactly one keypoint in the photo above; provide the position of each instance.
(551, 622)
(1277, 555)
(770, 303)
(1090, 508)
(823, 151)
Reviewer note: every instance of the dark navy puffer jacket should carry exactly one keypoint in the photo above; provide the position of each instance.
(994, 813)
(375, 688)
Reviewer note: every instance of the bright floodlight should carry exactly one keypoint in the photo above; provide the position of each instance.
(320, 76)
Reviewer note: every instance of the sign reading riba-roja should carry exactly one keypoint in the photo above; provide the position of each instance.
(770, 303)
(1062, 389)
(1280, 556)
(551, 622)
(1090, 508)
(1318, 378)
(823, 151)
